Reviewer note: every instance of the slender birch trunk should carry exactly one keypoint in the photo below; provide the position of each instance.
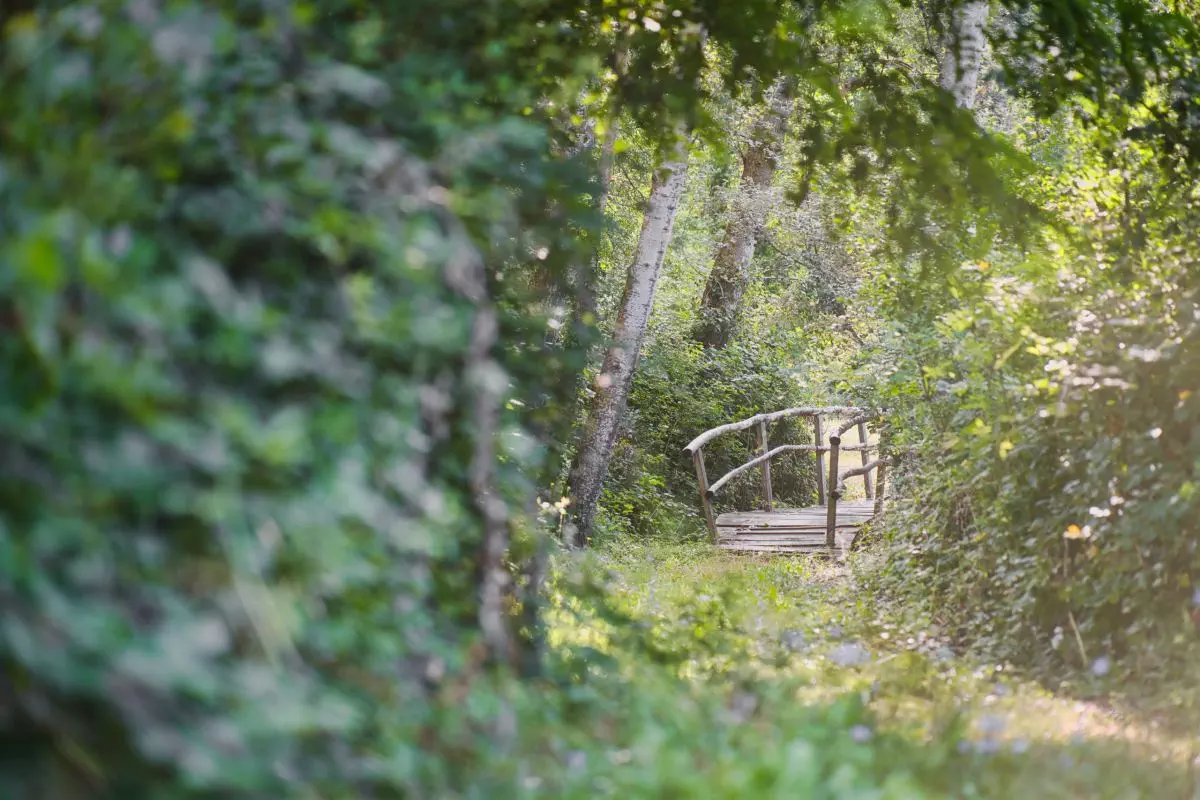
(585, 296)
(730, 275)
(616, 377)
(964, 51)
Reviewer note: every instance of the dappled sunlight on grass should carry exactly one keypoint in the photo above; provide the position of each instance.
(748, 626)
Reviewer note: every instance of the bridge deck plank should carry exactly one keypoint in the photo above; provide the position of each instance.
(790, 530)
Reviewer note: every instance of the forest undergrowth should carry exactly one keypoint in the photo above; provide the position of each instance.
(789, 677)
(332, 331)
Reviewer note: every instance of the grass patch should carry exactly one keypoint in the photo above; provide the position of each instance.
(689, 672)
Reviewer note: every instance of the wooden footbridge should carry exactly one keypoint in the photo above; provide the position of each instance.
(829, 527)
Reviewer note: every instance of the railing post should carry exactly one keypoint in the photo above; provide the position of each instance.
(765, 447)
(705, 501)
(819, 441)
(880, 488)
(831, 515)
(866, 458)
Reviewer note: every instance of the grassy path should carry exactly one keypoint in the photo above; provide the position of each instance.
(770, 636)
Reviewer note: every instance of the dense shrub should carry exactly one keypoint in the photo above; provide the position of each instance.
(247, 427)
(1054, 519)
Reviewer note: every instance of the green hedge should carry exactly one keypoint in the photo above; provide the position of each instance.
(242, 354)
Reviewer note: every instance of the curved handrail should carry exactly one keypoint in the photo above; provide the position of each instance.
(863, 416)
(812, 448)
(863, 470)
(750, 422)
(728, 476)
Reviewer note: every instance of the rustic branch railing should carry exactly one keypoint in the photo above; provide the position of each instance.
(774, 416)
(830, 485)
(754, 462)
(864, 470)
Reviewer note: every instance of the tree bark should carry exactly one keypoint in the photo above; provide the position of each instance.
(964, 51)
(585, 296)
(722, 299)
(616, 377)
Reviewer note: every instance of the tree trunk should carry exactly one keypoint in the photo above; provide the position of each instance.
(585, 296)
(616, 377)
(722, 299)
(964, 51)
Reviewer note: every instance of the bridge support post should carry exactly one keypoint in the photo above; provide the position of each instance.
(764, 448)
(831, 515)
(819, 441)
(880, 487)
(866, 458)
(705, 500)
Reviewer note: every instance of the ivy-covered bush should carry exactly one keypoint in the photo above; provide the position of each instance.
(251, 493)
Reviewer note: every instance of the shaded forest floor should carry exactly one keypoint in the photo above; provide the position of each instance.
(767, 636)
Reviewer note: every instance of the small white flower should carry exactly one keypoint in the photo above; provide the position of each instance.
(620, 756)
(992, 724)
(987, 747)
(860, 734)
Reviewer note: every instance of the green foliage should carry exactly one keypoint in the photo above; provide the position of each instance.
(695, 673)
(242, 294)
(1053, 522)
(681, 390)
(1111, 53)
(278, 387)
(732, 726)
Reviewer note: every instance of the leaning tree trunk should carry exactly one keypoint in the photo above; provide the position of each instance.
(722, 299)
(616, 377)
(585, 297)
(964, 51)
